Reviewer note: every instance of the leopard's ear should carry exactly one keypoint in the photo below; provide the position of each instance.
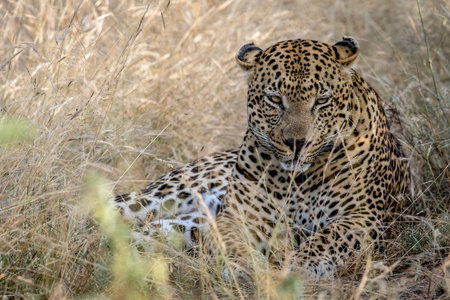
(346, 50)
(246, 56)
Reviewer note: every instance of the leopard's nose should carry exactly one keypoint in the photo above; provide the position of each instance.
(294, 144)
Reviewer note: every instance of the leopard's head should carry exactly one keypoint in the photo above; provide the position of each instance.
(300, 98)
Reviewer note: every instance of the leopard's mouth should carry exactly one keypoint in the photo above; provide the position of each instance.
(300, 160)
(296, 161)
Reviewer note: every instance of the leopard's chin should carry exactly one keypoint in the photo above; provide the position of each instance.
(299, 168)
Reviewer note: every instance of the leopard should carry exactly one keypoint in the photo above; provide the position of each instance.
(318, 167)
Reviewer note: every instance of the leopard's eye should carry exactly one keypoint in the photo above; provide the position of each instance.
(275, 99)
(323, 99)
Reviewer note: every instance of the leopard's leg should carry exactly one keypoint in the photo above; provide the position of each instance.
(242, 249)
(339, 243)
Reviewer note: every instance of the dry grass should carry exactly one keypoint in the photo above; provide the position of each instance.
(128, 89)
